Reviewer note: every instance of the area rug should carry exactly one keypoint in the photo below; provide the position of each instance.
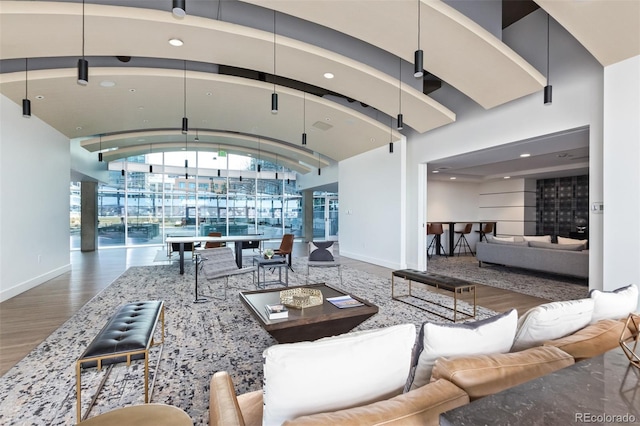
(547, 286)
(200, 340)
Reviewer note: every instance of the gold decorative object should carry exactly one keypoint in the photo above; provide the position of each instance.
(301, 297)
(629, 348)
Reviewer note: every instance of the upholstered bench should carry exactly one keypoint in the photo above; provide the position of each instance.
(454, 285)
(127, 336)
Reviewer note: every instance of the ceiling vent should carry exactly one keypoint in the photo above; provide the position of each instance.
(322, 125)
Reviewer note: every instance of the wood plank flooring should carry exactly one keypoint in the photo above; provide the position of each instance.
(27, 319)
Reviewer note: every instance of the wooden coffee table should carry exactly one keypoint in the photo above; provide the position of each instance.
(309, 323)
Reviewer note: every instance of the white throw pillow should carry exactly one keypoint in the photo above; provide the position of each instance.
(564, 240)
(552, 321)
(488, 336)
(614, 304)
(335, 373)
(491, 238)
(541, 238)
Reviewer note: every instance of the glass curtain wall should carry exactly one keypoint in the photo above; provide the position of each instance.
(223, 193)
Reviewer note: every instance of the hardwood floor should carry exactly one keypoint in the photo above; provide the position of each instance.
(27, 319)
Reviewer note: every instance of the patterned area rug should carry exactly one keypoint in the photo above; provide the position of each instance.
(200, 340)
(547, 286)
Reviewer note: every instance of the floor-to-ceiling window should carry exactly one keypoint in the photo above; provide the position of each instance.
(190, 194)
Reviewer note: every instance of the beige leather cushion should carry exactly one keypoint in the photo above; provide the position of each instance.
(147, 414)
(592, 340)
(251, 407)
(419, 407)
(225, 409)
(483, 375)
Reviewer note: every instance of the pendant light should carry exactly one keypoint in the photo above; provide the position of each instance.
(26, 103)
(218, 172)
(83, 64)
(150, 152)
(400, 123)
(259, 166)
(186, 160)
(418, 64)
(196, 139)
(276, 166)
(185, 120)
(304, 118)
(100, 152)
(274, 95)
(548, 88)
(390, 136)
(179, 9)
(319, 172)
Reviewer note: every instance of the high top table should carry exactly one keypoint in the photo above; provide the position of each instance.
(236, 239)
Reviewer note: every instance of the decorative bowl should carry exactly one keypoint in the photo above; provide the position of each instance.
(300, 297)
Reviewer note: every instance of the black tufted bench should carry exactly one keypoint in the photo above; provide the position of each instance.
(127, 336)
(454, 285)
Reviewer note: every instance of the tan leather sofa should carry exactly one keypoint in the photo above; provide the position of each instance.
(454, 382)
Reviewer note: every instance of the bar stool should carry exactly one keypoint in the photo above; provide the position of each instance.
(486, 229)
(462, 242)
(436, 230)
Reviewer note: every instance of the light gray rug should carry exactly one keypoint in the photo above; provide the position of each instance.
(201, 339)
(546, 286)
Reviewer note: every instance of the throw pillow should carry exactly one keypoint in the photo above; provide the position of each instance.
(552, 321)
(568, 247)
(614, 304)
(541, 238)
(321, 251)
(491, 335)
(335, 373)
(492, 239)
(563, 240)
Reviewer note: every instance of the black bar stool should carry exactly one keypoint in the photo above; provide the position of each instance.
(462, 242)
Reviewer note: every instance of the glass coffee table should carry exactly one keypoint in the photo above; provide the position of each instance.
(310, 323)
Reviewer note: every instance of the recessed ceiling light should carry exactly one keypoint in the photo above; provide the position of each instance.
(141, 107)
(78, 128)
(525, 155)
(209, 93)
(141, 140)
(39, 97)
(328, 75)
(452, 178)
(372, 139)
(145, 121)
(436, 171)
(507, 177)
(132, 90)
(107, 83)
(175, 42)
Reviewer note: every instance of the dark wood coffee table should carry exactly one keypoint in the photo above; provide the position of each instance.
(309, 323)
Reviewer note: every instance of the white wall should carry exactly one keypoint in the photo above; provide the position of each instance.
(577, 102)
(622, 174)
(511, 203)
(372, 205)
(34, 215)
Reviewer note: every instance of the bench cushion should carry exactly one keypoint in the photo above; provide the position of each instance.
(442, 281)
(130, 329)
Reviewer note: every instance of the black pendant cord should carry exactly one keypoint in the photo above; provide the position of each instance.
(82, 29)
(547, 49)
(185, 89)
(274, 51)
(26, 78)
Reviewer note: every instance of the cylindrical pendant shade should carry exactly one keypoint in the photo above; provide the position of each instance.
(218, 172)
(179, 9)
(274, 103)
(100, 157)
(400, 122)
(418, 66)
(185, 125)
(83, 72)
(26, 108)
(186, 175)
(259, 168)
(319, 171)
(276, 175)
(390, 147)
(304, 139)
(150, 168)
(548, 94)
(122, 172)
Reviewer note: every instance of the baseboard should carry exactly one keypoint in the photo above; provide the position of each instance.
(34, 282)
(380, 262)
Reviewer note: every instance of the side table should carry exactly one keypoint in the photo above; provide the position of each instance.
(263, 264)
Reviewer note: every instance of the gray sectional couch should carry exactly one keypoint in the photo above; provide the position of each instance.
(522, 254)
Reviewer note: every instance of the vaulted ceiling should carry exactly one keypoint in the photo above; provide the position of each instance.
(140, 86)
